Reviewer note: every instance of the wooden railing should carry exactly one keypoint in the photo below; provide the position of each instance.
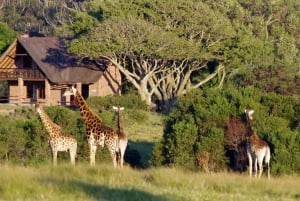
(15, 100)
(21, 73)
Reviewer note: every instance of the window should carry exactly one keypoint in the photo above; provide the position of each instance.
(36, 91)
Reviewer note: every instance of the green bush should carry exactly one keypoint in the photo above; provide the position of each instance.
(196, 129)
(129, 101)
(135, 108)
(22, 138)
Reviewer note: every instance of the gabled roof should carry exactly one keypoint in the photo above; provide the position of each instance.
(7, 58)
(51, 56)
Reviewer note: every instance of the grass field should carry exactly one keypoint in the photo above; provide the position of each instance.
(103, 182)
(6, 109)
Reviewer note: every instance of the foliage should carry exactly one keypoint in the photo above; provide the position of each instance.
(130, 101)
(152, 43)
(208, 124)
(38, 17)
(7, 36)
(235, 142)
(134, 107)
(24, 140)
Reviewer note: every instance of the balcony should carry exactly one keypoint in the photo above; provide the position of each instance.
(26, 74)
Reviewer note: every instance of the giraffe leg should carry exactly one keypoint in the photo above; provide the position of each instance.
(123, 146)
(268, 166)
(73, 151)
(121, 159)
(113, 153)
(267, 160)
(255, 166)
(250, 163)
(54, 152)
(260, 165)
(93, 149)
(118, 158)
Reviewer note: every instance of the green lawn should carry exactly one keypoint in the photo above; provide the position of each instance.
(6, 109)
(103, 182)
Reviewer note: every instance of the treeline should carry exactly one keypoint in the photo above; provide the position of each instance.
(258, 41)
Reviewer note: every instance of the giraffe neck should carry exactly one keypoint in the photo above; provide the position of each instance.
(85, 111)
(118, 120)
(52, 128)
(252, 136)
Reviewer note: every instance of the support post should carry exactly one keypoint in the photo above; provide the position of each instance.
(20, 89)
(47, 93)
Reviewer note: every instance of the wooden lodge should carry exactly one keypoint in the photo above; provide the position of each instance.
(40, 69)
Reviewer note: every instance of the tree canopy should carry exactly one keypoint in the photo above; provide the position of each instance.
(188, 38)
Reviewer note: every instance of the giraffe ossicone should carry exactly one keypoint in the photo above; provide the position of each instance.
(58, 141)
(257, 149)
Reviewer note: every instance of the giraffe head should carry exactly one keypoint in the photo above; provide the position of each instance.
(71, 91)
(37, 107)
(249, 113)
(117, 109)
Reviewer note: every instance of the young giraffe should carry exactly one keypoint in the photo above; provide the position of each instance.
(97, 133)
(257, 148)
(57, 139)
(123, 140)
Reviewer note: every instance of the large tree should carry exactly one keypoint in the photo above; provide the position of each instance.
(163, 49)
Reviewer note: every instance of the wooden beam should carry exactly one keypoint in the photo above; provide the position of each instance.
(20, 89)
(47, 92)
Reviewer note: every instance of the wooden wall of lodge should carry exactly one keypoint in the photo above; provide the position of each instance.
(53, 95)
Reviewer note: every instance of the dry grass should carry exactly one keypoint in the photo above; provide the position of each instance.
(6, 109)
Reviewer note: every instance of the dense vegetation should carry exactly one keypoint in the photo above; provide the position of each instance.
(24, 140)
(257, 42)
(207, 128)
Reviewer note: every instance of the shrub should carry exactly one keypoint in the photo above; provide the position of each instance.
(129, 101)
(235, 141)
(206, 124)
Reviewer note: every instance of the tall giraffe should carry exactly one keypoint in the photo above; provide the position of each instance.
(257, 149)
(57, 139)
(97, 133)
(123, 140)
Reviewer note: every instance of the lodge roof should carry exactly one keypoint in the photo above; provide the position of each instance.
(51, 56)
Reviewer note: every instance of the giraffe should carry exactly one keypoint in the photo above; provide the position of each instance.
(122, 137)
(97, 133)
(57, 139)
(257, 149)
